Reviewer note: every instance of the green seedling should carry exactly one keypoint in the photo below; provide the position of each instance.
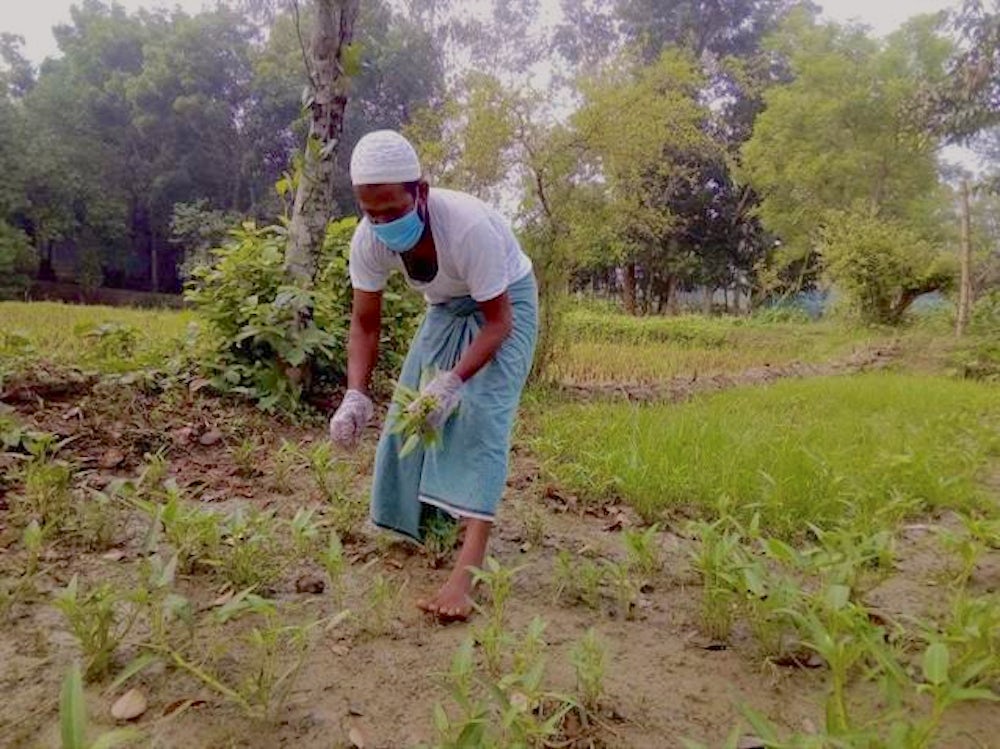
(717, 561)
(322, 464)
(642, 551)
(195, 534)
(73, 724)
(245, 458)
(383, 598)
(163, 606)
(154, 472)
(47, 496)
(98, 521)
(588, 659)
(334, 563)
(440, 538)
(533, 519)
(578, 580)
(498, 582)
(969, 545)
(625, 586)
(284, 463)
(305, 532)
(97, 621)
(249, 555)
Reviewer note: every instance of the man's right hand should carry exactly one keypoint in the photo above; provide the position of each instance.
(349, 421)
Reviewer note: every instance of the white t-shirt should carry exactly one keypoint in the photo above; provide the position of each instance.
(477, 252)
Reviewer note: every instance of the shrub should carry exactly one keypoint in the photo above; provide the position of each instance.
(881, 265)
(18, 262)
(275, 338)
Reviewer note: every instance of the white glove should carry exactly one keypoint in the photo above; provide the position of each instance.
(355, 411)
(446, 390)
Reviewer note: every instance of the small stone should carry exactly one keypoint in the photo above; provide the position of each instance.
(115, 555)
(310, 583)
(815, 661)
(112, 458)
(129, 706)
(210, 437)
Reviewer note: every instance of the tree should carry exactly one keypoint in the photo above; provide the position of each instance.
(839, 138)
(331, 62)
(968, 101)
(881, 264)
(637, 125)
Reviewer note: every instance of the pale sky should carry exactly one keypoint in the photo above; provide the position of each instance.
(34, 19)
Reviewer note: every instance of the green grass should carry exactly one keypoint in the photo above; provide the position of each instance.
(826, 450)
(69, 334)
(606, 347)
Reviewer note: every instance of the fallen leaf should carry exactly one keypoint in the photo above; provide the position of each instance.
(179, 706)
(210, 437)
(73, 413)
(339, 649)
(129, 706)
(750, 742)
(115, 555)
(112, 458)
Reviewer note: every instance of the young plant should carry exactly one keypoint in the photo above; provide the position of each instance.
(73, 728)
(642, 551)
(249, 553)
(47, 496)
(625, 586)
(578, 581)
(195, 534)
(245, 458)
(441, 535)
(718, 562)
(277, 653)
(383, 597)
(588, 659)
(533, 519)
(154, 473)
(98, 520)
(96, 620)
(284, 463)
(334, 563)
(305, 532)
(498, 582)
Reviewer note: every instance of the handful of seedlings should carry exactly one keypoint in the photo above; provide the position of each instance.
(412, 424)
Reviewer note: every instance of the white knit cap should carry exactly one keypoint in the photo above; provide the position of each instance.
(384, 157)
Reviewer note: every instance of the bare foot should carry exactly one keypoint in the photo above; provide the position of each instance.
(453, 603)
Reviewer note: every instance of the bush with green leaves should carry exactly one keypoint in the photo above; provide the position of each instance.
(274, 337)
(18, 261)
(882, 265)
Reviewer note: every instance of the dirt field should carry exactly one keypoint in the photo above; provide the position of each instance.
(372, 679)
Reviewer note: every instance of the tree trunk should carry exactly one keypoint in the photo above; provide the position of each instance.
(628, 288)
(706, 299)
(313, 206)
(154, 264)
(965, 254)
(672, 302)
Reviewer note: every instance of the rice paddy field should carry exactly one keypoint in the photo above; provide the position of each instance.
(716, 533)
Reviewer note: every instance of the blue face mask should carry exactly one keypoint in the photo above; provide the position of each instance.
(402, 234)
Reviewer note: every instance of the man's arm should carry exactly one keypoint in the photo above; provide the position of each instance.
(362, 342)
(499, 319)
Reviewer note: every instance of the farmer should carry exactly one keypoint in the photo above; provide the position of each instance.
(477, 341)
